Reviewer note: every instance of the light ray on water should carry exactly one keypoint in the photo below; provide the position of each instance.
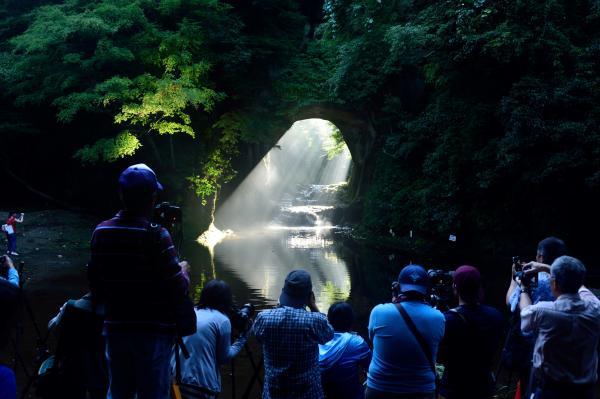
(278, 219)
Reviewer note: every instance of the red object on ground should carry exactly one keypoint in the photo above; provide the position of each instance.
(518, 392)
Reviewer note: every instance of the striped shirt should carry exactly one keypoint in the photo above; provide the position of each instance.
(134, 269)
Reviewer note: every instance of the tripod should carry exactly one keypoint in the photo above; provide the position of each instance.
(41, 340)
(255, 374)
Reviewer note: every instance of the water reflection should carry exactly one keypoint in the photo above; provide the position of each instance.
(263, 259)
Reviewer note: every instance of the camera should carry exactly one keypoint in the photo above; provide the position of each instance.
(440, 291)
(240, 317)
(527, 280)
(517, 262)
(167, 215)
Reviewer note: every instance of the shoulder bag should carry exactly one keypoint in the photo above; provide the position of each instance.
(422, 343)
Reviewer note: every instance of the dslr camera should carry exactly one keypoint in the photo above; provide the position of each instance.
(527, 280)
(241, 317)
(440, 291)
(167, 215)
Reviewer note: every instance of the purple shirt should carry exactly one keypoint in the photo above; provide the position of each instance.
(134, 269)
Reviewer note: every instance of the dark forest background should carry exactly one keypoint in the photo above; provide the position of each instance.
(478, 118)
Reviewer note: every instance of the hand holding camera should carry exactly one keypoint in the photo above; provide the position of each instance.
(243, 317)
(312, 302)
(525, 274)
(533, 268)
(395, 292)
(185, 266)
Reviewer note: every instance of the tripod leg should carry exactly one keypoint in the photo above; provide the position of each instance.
(19, 358)
(232, 379)
(254, 378)
(29, 310)
(252, 362)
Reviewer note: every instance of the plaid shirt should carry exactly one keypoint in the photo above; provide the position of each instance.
(290, 339)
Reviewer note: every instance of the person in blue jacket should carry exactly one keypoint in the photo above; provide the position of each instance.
(341, 359)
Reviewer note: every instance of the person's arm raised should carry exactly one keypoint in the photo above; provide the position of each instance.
(312, 303)
(512, 287)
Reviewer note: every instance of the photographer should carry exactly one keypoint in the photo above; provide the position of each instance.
(210, 346)
(135, 271)
(548, 250)
(79, 356)
(341, 358)
(290, 338)
(471, 339)
(534, 277)
(567, 330)
(405, 334)
(8, 271)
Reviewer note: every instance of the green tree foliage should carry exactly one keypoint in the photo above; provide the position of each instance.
(508, 111)
(483, 115)
(149, 71)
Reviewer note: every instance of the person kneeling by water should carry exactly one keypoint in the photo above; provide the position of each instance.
(210, 346)
(340, 358)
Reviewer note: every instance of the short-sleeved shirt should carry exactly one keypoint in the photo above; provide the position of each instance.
(290, 338)
(340, 360)
(472, 337)
(567, 331)
(399, 365)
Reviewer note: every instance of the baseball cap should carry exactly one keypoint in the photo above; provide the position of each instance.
(139, 178)
(467, 280)
(413, 278)
(296, 290)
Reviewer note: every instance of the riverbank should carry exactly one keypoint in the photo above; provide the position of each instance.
(54, 246)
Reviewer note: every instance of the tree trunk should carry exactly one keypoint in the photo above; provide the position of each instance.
(172, 150)
(39, 193)
(154, 149)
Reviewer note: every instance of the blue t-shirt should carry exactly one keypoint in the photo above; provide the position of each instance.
(8, 386)
(399, 364)
(339, 361)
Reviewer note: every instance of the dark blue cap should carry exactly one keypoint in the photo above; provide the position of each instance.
(139, 178)
(413, 278)
(296, 290)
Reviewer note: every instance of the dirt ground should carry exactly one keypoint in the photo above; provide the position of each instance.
(53, 245)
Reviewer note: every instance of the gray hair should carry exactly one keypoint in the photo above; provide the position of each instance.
(568, 273)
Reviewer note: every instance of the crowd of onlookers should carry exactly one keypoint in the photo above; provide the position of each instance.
(120, 341)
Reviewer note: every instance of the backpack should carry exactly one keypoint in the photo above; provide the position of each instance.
(185, 315)
(79, 356)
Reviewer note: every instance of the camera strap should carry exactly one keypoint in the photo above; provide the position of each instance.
(421, 340)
